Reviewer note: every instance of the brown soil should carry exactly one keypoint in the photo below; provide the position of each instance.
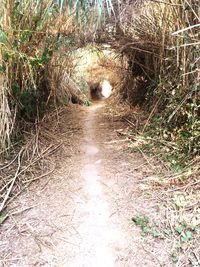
(80, 216)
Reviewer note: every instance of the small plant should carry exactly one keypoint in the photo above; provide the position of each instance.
(86, 101)
(152, 229)
(184, 233)
(143, 222)
(174, 256)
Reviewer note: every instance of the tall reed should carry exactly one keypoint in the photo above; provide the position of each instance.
(164, 42)
(31, 32)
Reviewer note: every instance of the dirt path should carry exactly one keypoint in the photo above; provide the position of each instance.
(82, 216)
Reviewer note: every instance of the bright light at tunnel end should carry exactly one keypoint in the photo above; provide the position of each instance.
(106, 88)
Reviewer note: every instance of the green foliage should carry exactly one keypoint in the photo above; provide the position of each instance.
(36, 33)
(86, 101)
(166, 45)
(174, 256)
(142, 221)
(28, 42)
(179, 229)
(183, 233)
(148, 228)
(3, 38)
(44, 59)
(186, 237)
(178, 141)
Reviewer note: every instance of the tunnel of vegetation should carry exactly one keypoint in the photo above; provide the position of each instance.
(148, 51)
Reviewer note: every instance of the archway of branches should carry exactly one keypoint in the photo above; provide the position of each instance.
(148, 52)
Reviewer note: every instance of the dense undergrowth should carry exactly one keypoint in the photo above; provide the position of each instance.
(176, 99)
(37, 39)
(160, 44)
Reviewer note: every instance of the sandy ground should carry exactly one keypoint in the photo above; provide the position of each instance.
(82, 216)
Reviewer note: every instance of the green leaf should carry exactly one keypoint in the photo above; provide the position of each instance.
(156, 233)
(186, 237)
(189, 234)
(174, 256)
(2, 69)
(137, 220)
(192, 227)
(167, 231)
(146, 230)
(142, 221)
(179, 229)
(3, 37)
(178, 245)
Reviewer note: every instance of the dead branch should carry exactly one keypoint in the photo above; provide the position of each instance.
(13, 182)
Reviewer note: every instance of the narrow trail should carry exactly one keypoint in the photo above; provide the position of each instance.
(82, 216)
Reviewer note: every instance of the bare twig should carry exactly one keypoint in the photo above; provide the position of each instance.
(146, 158)
(152, 255)
(151, 114)
(197, 258)
(13, 182)
(10, 163)
(39, 177)
(186, 29)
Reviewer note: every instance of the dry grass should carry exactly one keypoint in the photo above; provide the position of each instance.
(161, 44)
(33, 36)
(31, 161)
(170, 199)
(63, 89)
(175, 222)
